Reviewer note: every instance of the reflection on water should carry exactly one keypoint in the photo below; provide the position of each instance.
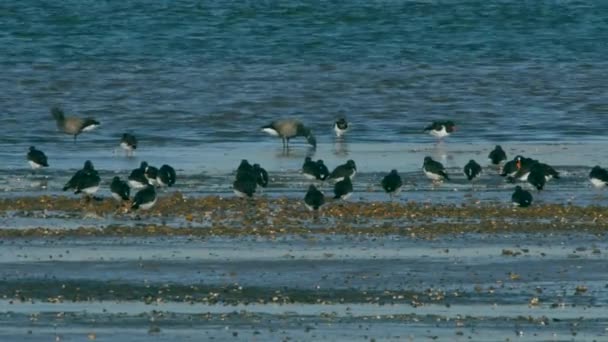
(341, 147)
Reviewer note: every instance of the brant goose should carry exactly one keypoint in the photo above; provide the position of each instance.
(290, 128)
(73, 125)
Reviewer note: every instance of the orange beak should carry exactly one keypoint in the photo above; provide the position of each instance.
(518, 164)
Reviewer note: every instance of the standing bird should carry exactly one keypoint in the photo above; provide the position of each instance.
(73, 125)
(314, 198)
(472, 170)
(261, 176)
(536, 177)
(322, 170)
(84, 181)
(497, 155)
(244, 170)
(244, 186)
(392, 183)
(144, 199)
(340, 127)
(598, 177)
(343, 189)
(440, 129)
(309, 168)
(36, 158)
(137, 179)
(166, 176)
(434, 170)
(521, 197)
(128, 142)
(349, 169)
(151, 174)
(290, 128)
(120, 189)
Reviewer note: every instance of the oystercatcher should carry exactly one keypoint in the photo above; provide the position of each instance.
(137, 179)
(73, 125)
(244, 186)
(151, 174)
(440, 129)
(322, 170)
(128, 142)
(314, 198)
(36, 158)
(472, 170)
(290, 128)
(145, 198)
(166, 176)
(521, 197)
(392, 183)
(497, 155)
(349, 169)
(261, 176)
(84, 181)
(434, 170)
(309, 168)
(536, 177)
(343, 189)
(245, 170)
(598, 177)
(340, 127)
(120, 189)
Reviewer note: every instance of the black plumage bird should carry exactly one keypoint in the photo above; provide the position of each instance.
(472, 170)
(309, 168)
(166, 176)
(392, 183)
(128, 142)
(261, 176)
(137, 179)
(434, 170)
(245, 170)
(598, 177)
(322, 170)
(145, 198)
(349, 169)
(521, 197)
(314, 198)
(36, 158)
(85, 180)
(290, 128)
(340, 127)
(343, 189)
(244, 186)
(440, 129)
(536, 177)
(497, 155)
(120, 189)
(151, 173)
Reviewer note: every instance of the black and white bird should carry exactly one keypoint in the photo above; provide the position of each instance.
(290, 128)
(536, 177)
(244, 186)
(322, 170)
(73, 125)
(521, 197)
(497, 155)
(166, 176)
(314, 198)
(440, 129)
(472, 170)
(128, 142)
(151, 174)
(349, 169)
(84, 181)
(343, 189)
(509, 169)
(434, 170)
(340, 127)
(145, 198)
(137, 179)
(598, 177)
(309, 168)
(392, 183)
(120, 189)
(261, 176)
(523, 165)
(36, 158)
